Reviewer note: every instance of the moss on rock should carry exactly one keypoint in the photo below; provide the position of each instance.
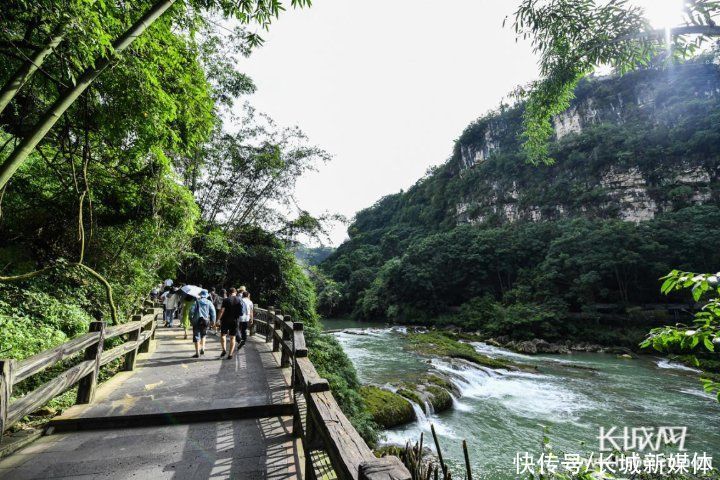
(439, 398)
(443, 345)
(413, 396)
(440, 382)
(388, 409)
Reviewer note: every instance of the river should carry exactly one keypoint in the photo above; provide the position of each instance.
(501, 413)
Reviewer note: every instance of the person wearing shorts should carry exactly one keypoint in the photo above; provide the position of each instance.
(231, 311)
(201, 313)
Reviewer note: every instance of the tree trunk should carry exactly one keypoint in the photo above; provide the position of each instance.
(28, 144)
(28, 68)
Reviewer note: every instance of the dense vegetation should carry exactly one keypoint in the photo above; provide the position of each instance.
(487, 242)
(154, 172)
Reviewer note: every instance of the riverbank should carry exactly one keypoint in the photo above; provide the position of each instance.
(499, 411)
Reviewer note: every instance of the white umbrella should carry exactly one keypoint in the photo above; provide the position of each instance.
(192, 290)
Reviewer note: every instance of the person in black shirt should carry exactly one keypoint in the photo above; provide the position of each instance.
(233, 308)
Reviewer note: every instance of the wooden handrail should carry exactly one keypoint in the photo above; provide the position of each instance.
(39, 397)
(37, 363)
(85, 372)
(325, 431)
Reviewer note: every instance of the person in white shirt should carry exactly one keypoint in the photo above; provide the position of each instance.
(170, 300)
(246, 320)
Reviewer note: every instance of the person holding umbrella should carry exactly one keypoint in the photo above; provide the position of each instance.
(192, 293)
(202, 314)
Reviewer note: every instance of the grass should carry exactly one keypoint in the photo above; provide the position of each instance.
(441, 344)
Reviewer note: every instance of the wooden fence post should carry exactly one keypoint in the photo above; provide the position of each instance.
(275, 326)
(252, 327)
(158, 313)
(6, 384)
(88, 384)
(297, 327)
(295, 384)
(309, 444)
(271, 315)
(284, 357)
(131, 356)
(145, 346)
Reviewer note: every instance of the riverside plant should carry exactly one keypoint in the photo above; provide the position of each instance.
(430, 469)
(420, 469)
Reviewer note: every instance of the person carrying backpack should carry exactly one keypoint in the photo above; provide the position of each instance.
(202, 313)
(233, 308)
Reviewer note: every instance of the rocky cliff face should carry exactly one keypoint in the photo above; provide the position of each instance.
(627, 148)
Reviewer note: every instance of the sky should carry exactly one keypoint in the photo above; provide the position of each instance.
(387, 86)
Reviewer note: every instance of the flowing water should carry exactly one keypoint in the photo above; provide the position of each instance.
(501, 413)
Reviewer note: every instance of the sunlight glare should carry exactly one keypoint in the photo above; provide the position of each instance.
(663, 13)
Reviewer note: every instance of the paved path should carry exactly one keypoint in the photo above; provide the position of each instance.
(175, 417)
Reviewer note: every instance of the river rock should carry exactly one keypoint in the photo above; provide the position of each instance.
(440, 398)
(388, 409)
(526, 347)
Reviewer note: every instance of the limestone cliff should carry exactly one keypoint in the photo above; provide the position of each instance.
(613, 150)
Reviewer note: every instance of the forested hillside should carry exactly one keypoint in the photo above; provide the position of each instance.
(489, 242)
(148, 170)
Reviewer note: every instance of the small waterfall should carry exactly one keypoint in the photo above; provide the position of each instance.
(667, 364)
(469, 380)
(422, 419)
(390, 387)
(458, 405)
(429, 408)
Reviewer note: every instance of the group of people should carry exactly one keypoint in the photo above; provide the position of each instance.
(231, 312)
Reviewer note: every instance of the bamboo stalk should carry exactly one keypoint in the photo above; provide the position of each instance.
(437, 447)
(28, 68)
(467, 461)
(28, 144)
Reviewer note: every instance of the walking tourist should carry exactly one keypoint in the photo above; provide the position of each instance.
(248, 317)
(217, 303)
(187, 304)
(202, 314)
(170, 299)
(233, 308)
(238, 336)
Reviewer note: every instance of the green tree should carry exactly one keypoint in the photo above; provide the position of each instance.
(703, 335)
(246, 12)
(573, 38)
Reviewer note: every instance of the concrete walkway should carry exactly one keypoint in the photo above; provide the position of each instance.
(175, 417)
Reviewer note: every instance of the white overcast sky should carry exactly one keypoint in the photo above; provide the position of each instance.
(386, 86)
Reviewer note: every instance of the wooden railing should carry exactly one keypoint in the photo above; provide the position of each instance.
(139, 331)
(332, 446)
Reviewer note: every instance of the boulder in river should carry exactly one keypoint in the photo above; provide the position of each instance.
(388, 409)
